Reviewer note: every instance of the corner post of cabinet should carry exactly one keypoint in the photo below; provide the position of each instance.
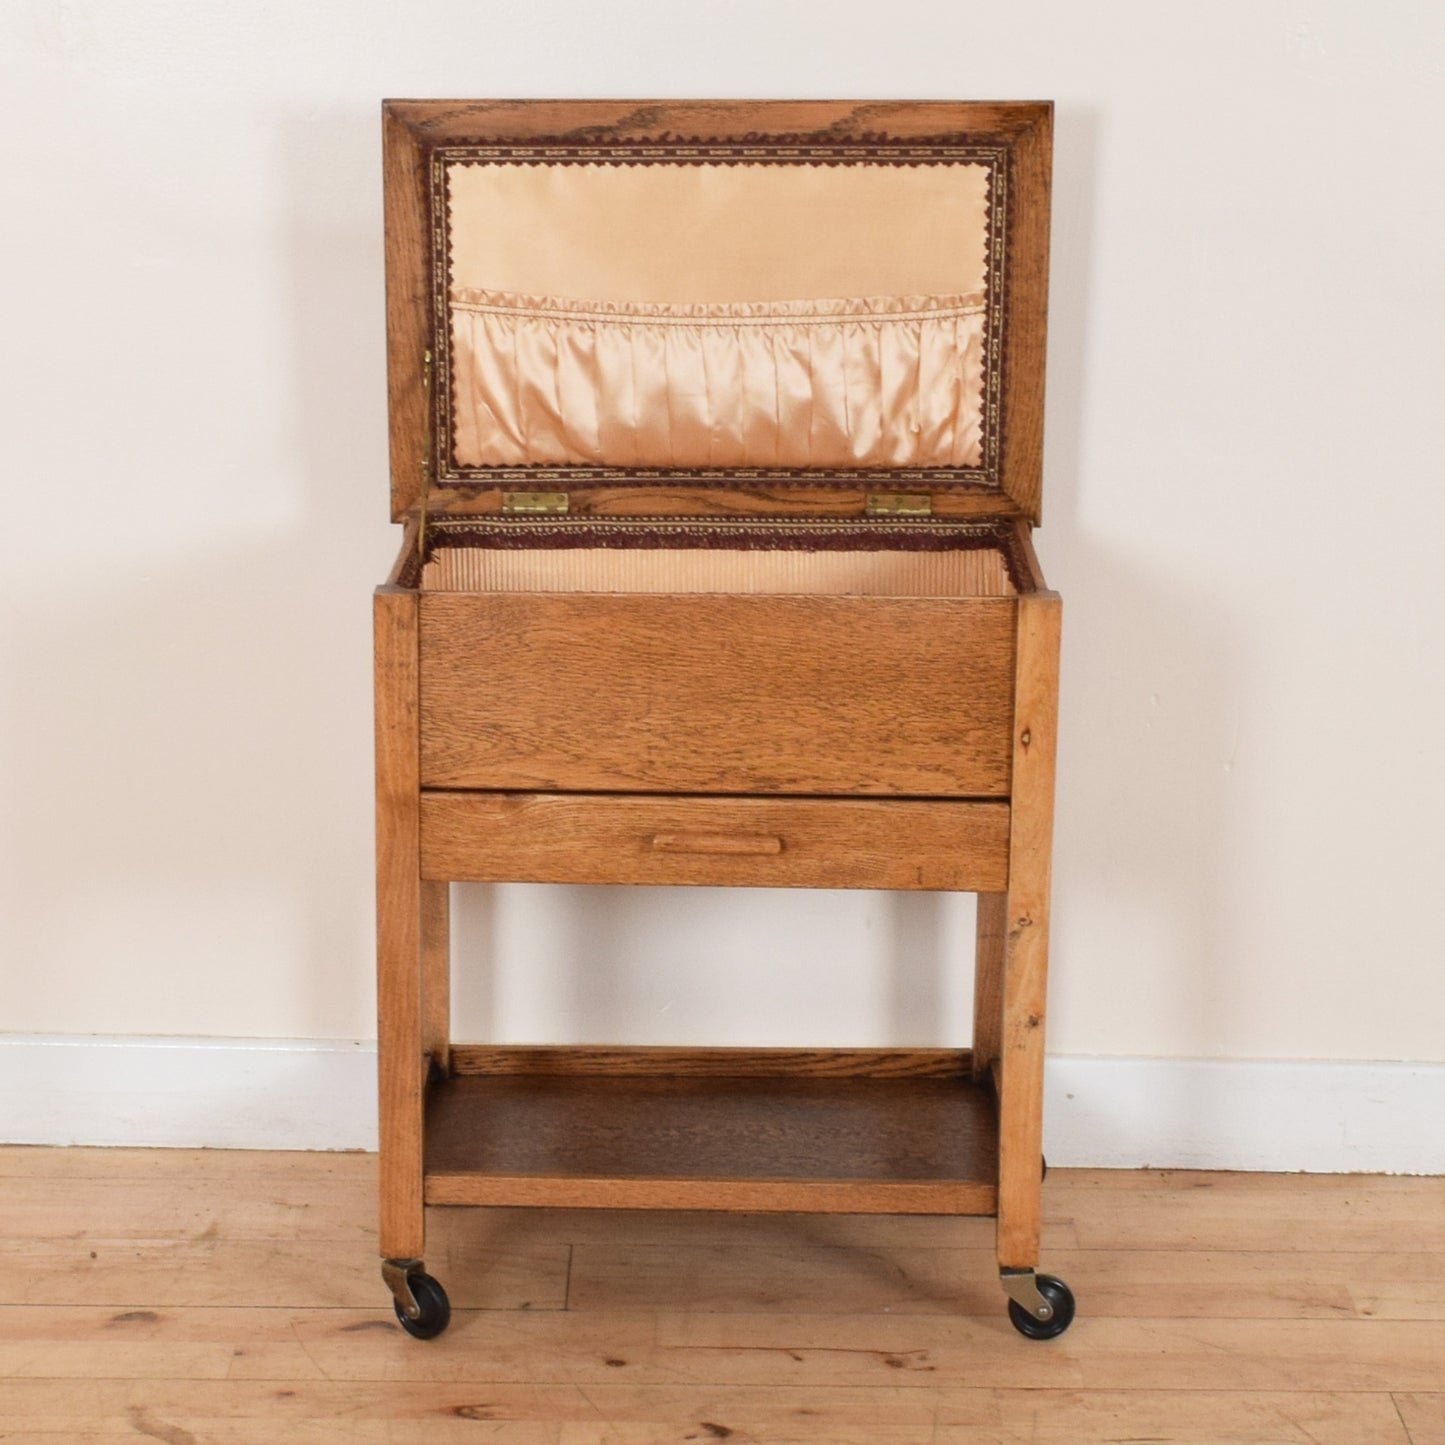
(990, 931)
(401, 1061)
(436, 969)
(1025, 920)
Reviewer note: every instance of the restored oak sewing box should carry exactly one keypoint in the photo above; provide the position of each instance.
(716, 435)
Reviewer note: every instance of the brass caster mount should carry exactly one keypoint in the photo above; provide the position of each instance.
(1040, 1306)
(422, 1307)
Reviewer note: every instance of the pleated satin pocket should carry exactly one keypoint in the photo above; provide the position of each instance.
(892, 381)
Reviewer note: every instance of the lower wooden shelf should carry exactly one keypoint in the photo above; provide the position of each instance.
(850, 1131)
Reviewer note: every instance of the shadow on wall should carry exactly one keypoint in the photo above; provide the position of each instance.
(1150, 679)
(1143, 847)
(192, 844)
(1149, 861)
(710, 965)
(1143, 860)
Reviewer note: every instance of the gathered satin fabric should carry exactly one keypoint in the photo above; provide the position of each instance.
(892, 381)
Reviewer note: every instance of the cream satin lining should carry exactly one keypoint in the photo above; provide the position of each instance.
(662, 232)
(975, 572)
(892, 381)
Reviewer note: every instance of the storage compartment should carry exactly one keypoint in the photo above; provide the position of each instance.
(748, 659)
(716, 693)
(738, 842)
(469, 559)
(858, 1130)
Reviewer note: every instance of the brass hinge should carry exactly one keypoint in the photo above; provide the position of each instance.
(514, 503)
(899, 504)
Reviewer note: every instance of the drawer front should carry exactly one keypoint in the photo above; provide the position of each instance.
(738, 842)
(717, 694)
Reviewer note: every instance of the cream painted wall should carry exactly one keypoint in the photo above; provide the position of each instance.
(1245, 517)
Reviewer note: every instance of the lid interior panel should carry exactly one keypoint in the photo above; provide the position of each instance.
(681, 318)
(602, 298)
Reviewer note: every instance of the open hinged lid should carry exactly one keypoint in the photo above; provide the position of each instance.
(703, 308)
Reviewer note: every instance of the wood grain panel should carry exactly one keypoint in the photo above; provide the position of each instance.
(408, 297)
(439, 122)
(750, 1195)
(718, 694)
(400, 1062)
(229, 1297)
(1026, 941)
(462, 499)
(910, 1145)
(747, 842)
(436, 972)
(1028, 299)
(728, 1063)
(183, 1271)
(990, 933)
(1423, 1416)
(906, 1360)
(473, 1393)
(785, 1267)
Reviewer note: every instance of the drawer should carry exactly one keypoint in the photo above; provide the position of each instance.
(740, 842)
(720, 693)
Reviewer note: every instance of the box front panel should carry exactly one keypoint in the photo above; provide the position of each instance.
(879, 696)
(715, 841)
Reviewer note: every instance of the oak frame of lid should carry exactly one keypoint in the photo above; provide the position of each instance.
(1015, 137)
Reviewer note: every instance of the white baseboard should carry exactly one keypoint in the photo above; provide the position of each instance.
(1252, 1114)
(1114, 1113)
(187, 1093)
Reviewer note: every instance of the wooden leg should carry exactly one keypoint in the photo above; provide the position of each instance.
(436, 974)
(990, 933)
(1026, 942)
(400, 1057)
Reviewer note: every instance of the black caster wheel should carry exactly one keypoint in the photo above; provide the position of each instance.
(1060, 1296)
(436, 1309)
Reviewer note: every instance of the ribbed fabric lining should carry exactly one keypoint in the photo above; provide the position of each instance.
(978, 572)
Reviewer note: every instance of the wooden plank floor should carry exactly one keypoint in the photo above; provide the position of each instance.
(224, 1297)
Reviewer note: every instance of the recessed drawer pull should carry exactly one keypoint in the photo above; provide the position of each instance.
(751, 845)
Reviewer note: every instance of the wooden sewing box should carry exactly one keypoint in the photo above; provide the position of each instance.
(716, 434)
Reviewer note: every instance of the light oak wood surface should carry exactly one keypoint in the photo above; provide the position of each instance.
(991, 934)
(717, 694)
(795, 501)
(818, 740)
(436, 971)
(1026, 930)
(757, 842)
(402, 947)
(407, 306)
(561, 1060)
(746, 1141)
(195, 1297)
